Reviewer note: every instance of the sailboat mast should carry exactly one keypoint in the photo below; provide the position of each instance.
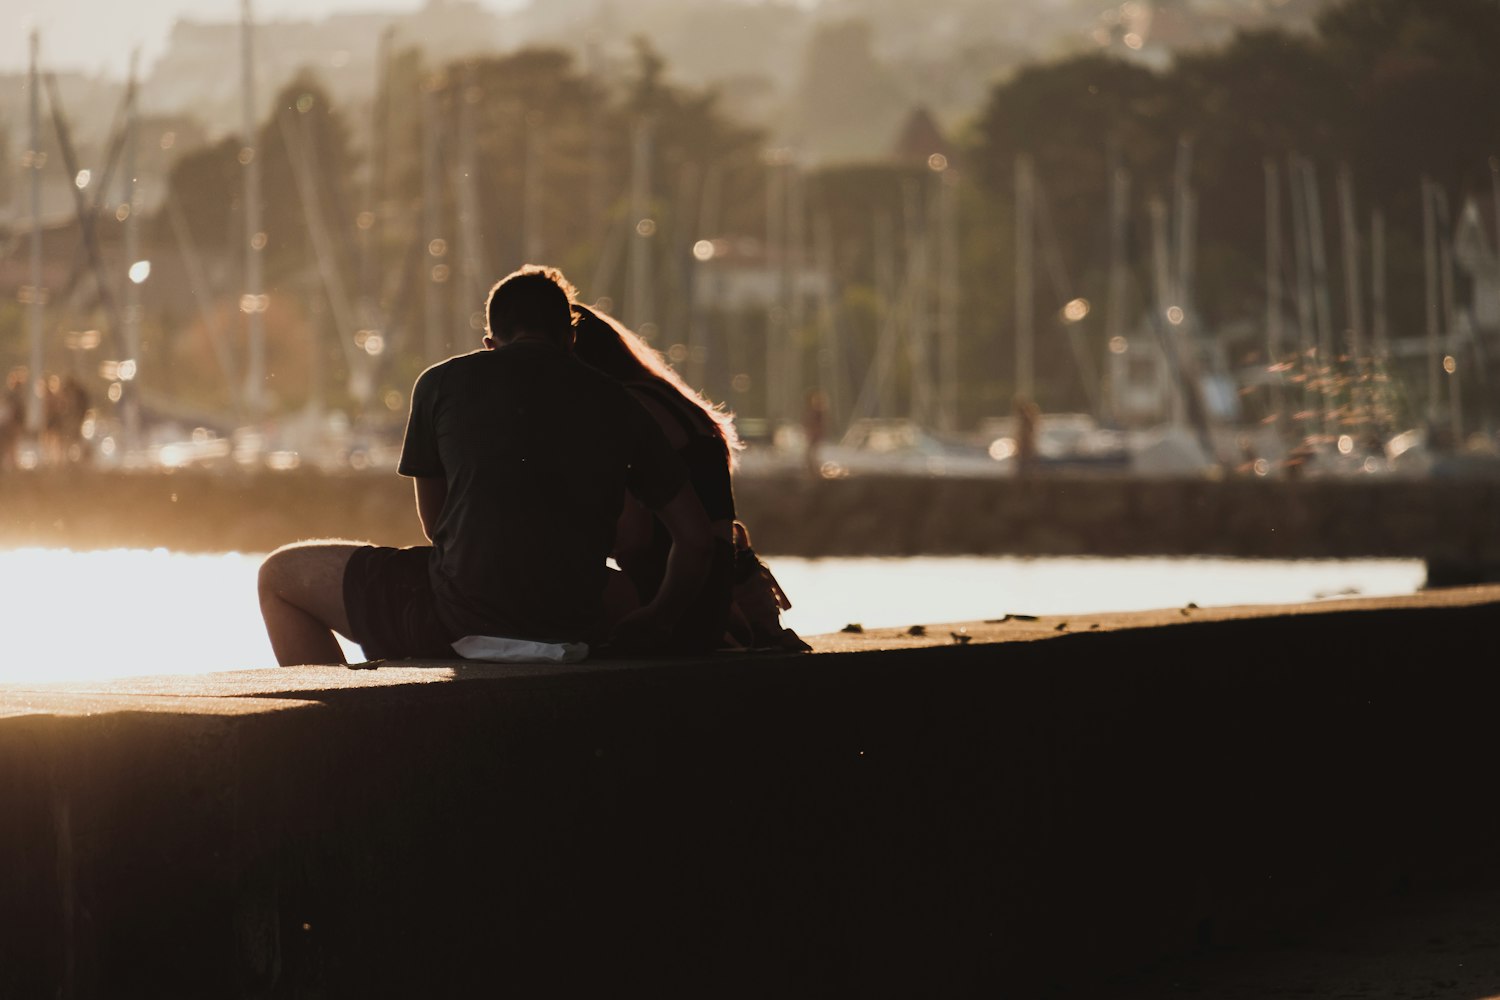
(1319, 254)
(1183, 235)
(918, 350)
(131, 237)
(432, 306)
(471, 289)
(1115, 323)
(1307, 336)
(1353, 299)
(640, 209)
(776, 269)
(948, 295)
(1161, 267)
(532, 185)
(1025, 280)
(253, 302)
(1451, 364)
(1434, 352)
(1378, 329)
(34, 163)
(830, 349)
(792, 287)
(1273, 281)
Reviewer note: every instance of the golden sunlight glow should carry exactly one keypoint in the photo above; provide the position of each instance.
(1076, 310)
(123, 612)
(148, 612)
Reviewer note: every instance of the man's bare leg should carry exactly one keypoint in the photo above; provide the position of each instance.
(302, 600)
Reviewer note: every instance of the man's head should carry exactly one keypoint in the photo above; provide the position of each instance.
(531, 302)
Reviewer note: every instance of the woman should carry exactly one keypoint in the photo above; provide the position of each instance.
(704, 437)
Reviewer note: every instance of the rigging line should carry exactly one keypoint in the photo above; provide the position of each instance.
(202, 292)
(90, 238)
(306, 184)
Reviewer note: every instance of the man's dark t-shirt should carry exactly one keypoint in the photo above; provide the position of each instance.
(537, 450)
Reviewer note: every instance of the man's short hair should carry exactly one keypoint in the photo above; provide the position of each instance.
(534, 299)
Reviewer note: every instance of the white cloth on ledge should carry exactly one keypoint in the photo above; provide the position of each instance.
(499, 649)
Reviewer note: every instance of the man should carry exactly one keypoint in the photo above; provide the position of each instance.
(521, 457)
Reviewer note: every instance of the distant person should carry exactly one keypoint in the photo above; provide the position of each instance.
(12, 418)
(704, 437)
(814, 429)
(64, 410)
(1028, 419)
(522, 458)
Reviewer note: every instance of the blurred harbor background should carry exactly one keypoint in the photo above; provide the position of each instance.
(1245, 237)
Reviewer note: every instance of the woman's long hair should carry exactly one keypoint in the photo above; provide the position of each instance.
(605, 344)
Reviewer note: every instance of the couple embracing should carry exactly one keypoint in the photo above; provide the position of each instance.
(566, 440)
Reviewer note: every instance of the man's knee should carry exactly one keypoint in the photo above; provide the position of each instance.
(276, 572)
(295, 567)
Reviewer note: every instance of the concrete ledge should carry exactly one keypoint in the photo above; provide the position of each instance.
(1036, 809)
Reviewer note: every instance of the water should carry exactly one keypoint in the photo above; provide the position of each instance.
(93, 615)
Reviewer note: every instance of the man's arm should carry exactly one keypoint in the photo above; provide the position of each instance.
(432, 494)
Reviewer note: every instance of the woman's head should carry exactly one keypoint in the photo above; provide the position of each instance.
(605, 344)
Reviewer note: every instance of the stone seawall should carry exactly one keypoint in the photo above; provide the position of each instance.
(1453, 521)
(1045, 809)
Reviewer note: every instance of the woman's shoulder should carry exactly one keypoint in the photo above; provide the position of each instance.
(667, 408)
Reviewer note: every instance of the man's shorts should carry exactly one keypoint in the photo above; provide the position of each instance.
(388, 598)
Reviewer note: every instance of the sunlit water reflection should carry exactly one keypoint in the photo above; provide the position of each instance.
(83, 615)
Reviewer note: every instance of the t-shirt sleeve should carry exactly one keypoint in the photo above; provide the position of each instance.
(419, 451)
(656, 473)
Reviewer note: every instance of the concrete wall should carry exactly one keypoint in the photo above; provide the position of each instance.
(1024, 818)
(1453, 520)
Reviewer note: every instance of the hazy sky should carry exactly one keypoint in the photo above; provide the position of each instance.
(98, 35)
